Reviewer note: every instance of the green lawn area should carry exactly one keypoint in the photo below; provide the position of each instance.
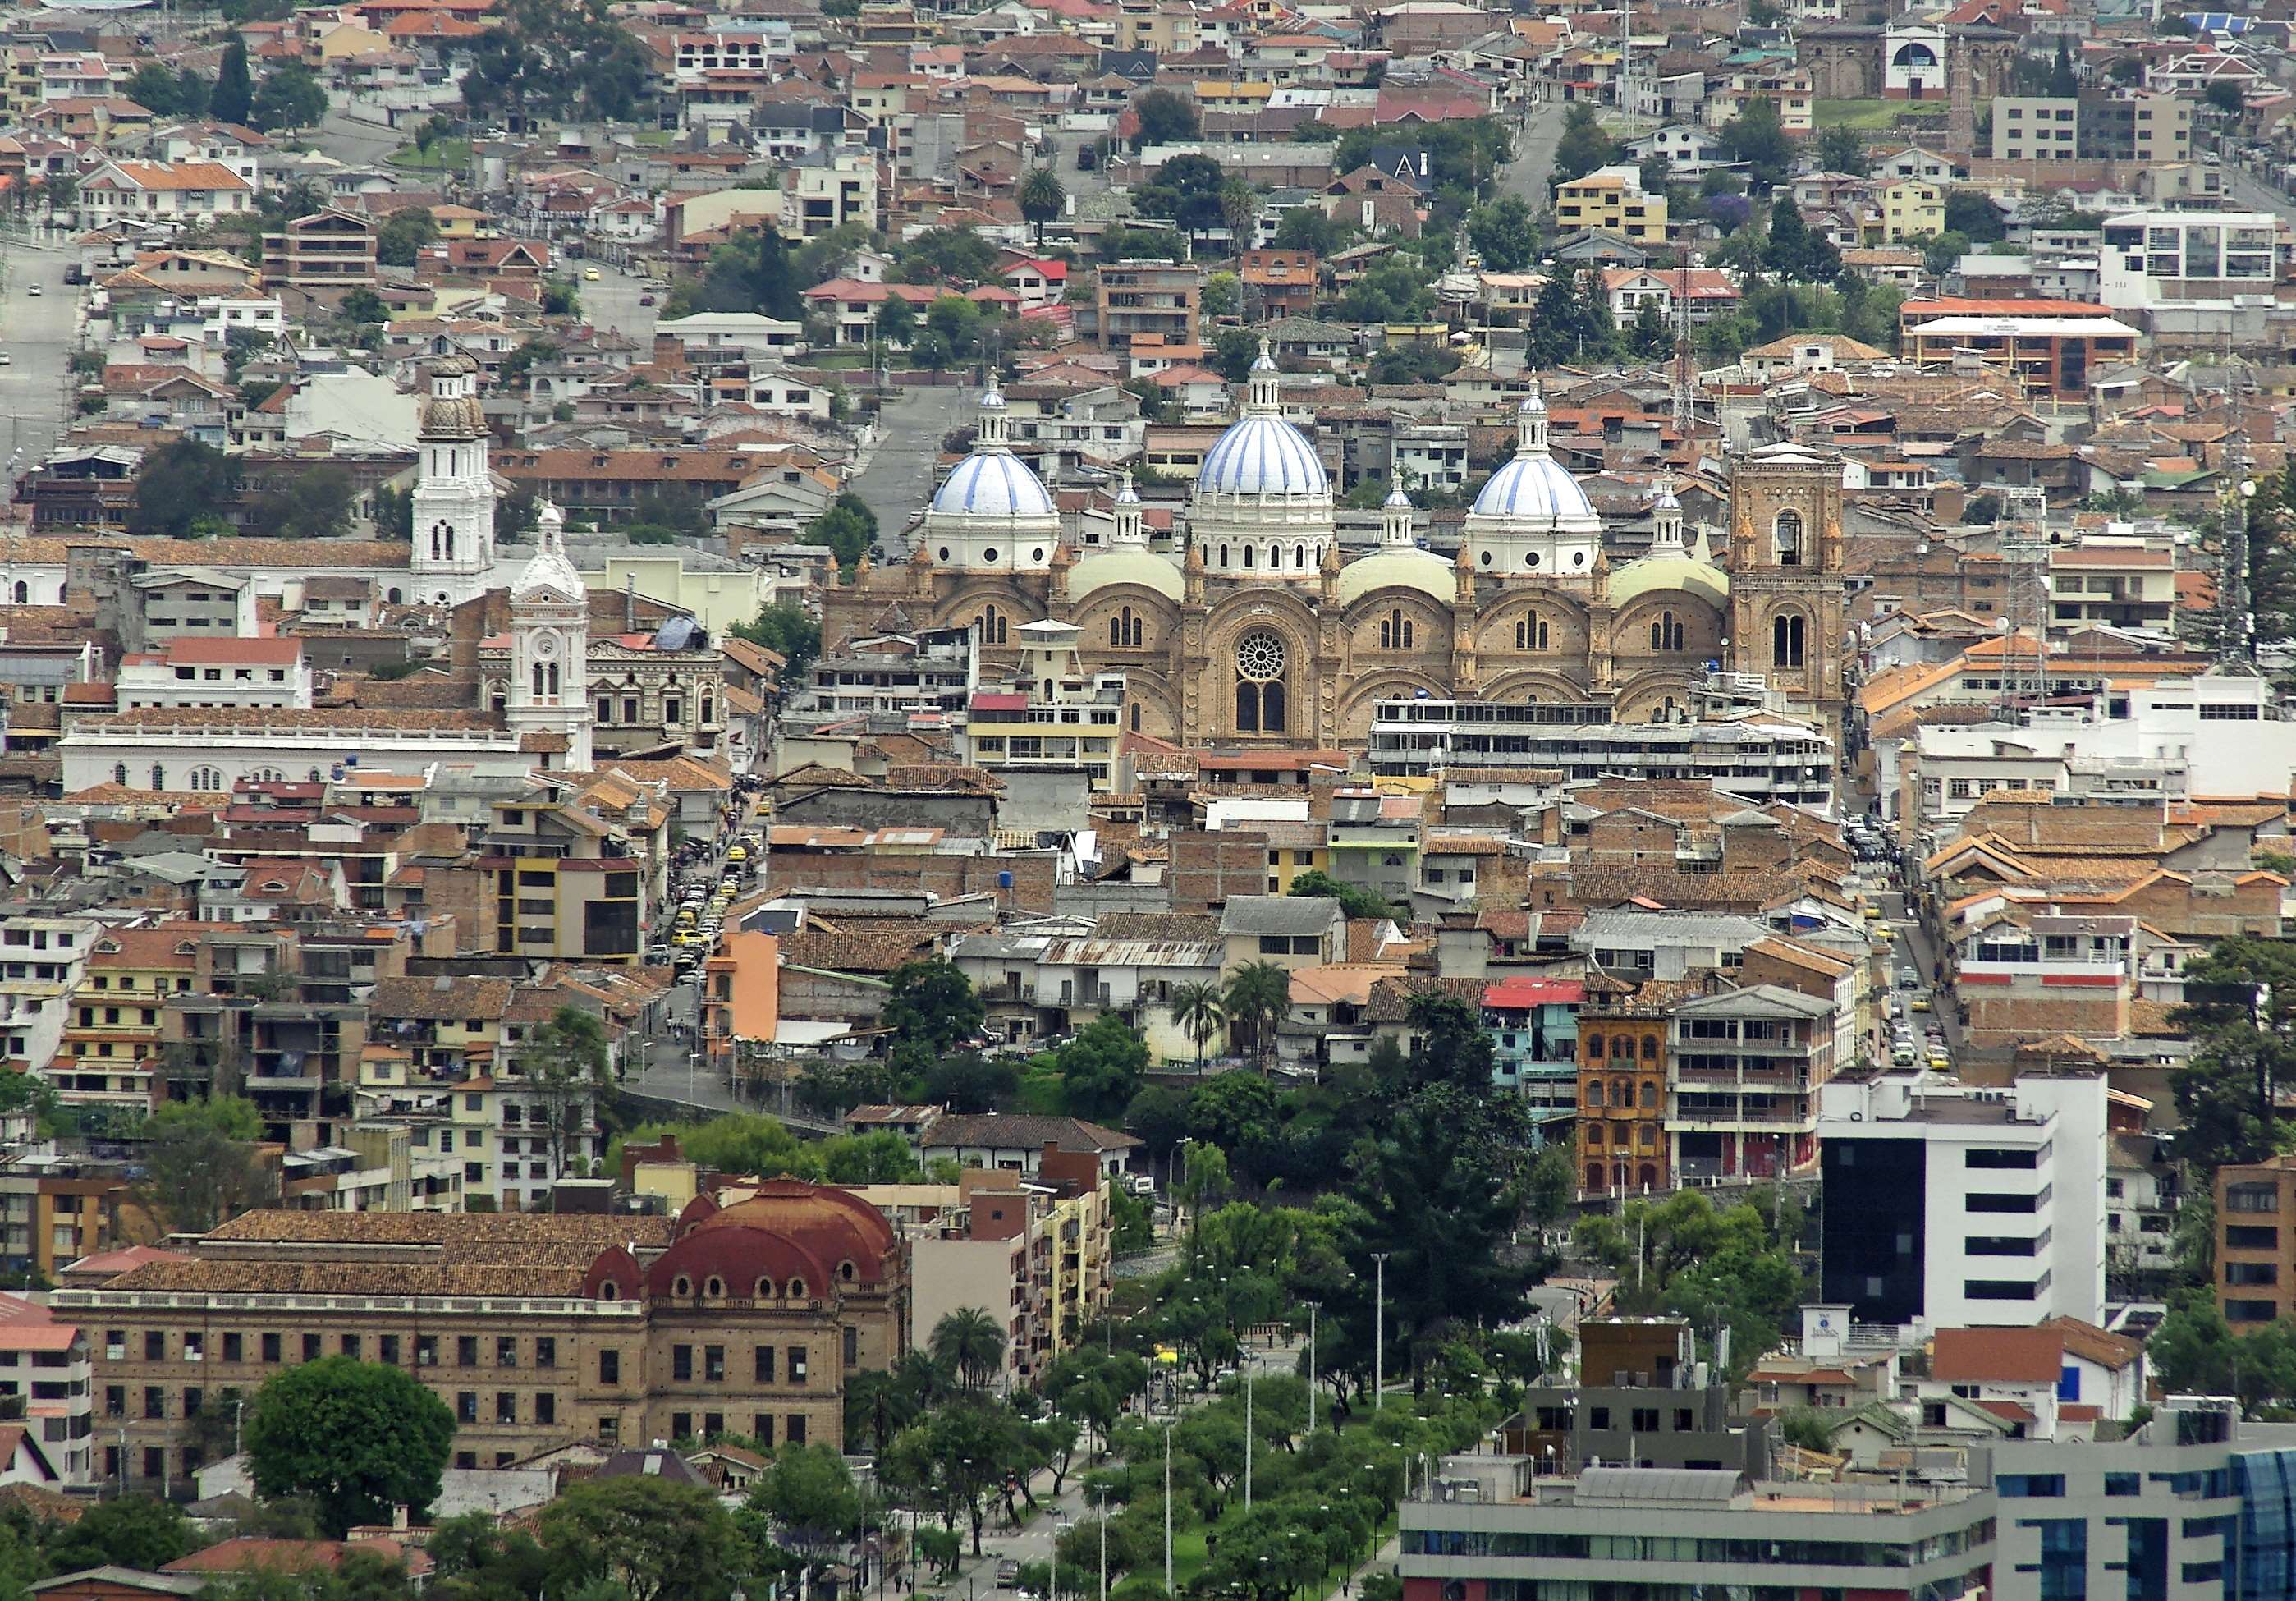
(1188, 1554)
(1873, 116)
(445, 155)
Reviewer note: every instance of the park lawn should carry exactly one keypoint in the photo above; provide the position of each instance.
(1871, 115)
(445, 155)
(1188, 1554)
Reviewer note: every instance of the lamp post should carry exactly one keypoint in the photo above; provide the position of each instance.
(1379, 1331)
(1247, 1433)
(1311, 1367)
(1060, 1527)
(1168, 1503)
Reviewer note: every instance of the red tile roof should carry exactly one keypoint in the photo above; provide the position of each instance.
(2009, 1356)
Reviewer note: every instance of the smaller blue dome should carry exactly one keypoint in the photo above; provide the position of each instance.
(1536, 488)
(993, 483)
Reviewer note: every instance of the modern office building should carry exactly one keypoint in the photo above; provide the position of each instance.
(1762, 761)
(1495, 1527)
(1952, 1206)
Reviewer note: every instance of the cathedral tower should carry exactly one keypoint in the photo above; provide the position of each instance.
(550, 648)
(1787, 611)
(453, 489)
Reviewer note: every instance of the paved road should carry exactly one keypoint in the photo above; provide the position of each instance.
(899, 478)
(38, 334)
(2250, 191)
(355, 139)
(612, 303)
(1536, 137)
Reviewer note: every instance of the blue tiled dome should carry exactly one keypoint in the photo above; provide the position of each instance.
(993, 483)
(1262, 456)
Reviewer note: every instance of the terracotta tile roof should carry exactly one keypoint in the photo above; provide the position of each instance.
(2094, 1344)
(2008, 1356)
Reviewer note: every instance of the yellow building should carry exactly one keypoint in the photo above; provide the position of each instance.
(111, 1042)
(1912, 210)
(460, 222)
(1613, 200)
(1054, 715)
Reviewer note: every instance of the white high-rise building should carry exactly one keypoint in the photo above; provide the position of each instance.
(1952, 1205)
(453, 489)
(550, 645)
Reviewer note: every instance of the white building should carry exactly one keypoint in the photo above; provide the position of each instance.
(1952, 1206)
(2155, 257)
(195, 670)
(40, 963)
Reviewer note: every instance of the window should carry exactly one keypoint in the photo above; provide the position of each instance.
(505, 1351)
(2123, 1484)
(2017, 1486)
(466, 1405)
(2250, 1236)
(1667, 633)
(505, 1406)
(796, 1434)
(1124, 630)
(545, 1351)
(1530, 634)
(993, 624)
(1395, 631)
(796, 1365)
(310, 1347)
(234, 1348)
(2251, 1197)
(155, 1346)
(390, 1350)
(155, 1402)
(609, 1366)
(1645, 1420)
(1786, 538)
(765, 1360)
(713, 1363)
(761, 1429)
(545, 1407)
(1260, 698)
(1786, 640)
(466, 1351)
(426, 1350)
(852, 1347)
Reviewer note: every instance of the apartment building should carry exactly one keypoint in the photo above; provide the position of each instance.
(1745, 1070)
(2153, 258)
(1952, 1206)
(326, 250)
(1623, 1144)
(41, 959)
(2144, 128)
(2117, 583)
(746, 1313)
(46, 1369)
(1611, 199)
(2255, 1242)
(1050, 713)
(1158, 298)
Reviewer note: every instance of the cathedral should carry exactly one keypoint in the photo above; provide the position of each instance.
(1259, 634)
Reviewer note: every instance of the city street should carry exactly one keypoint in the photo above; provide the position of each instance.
(1535, 139)
(898, 479)
(611, 303)
(38, 333)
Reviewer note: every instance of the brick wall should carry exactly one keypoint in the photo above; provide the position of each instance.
(1209, 867)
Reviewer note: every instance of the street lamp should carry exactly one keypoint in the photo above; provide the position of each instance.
(1247, 1435)
(1167, 1502)
(1311, 1367)
(1379, 1333)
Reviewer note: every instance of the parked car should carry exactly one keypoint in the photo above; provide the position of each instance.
(1008, 1573)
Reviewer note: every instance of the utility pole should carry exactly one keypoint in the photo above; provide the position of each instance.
(2236, 644)
(1379, 1331)
(1311, 1367)
(1167, 1507)
(1247, 1431)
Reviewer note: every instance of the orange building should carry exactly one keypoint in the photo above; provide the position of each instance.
(1623, 1056)
(740, 999)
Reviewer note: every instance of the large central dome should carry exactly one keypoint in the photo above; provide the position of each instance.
(1532, 517)
(1262, 504)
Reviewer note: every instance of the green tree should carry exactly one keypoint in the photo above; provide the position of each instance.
(1042, 199)
(896, 323)
(809, 1487)
(291, 96)
(931, 1008)
(1841, 149)
(945, 256)
(233, 99)
(1502, 234)
(1584, 146)
(787, 629)
(1222, 295)
(2240, 1012)
(1259, 998)
(404, 234)
(1757, 138)
(362, 305)
(1166, 117)
(1354, 899)
(1972, 215)
(1101, 1068)
(1233, 350)
(1201, 1008)
(2225, 98)
(1649, 337)
(1307, 228)
(134, 1532)
(179, 484)
(355, 1439)
(201, 1164)
(655, 1539)
(567, 1067)
(970, 1343)
(315, 503)
(1794, 251)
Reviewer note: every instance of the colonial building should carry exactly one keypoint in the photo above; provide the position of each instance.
(1258, 634)
(538, 1330)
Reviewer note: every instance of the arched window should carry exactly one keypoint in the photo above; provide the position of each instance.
(1593, 1092)
(1136, 717)
(159, 777)
(1650, 1094)
(553, 681)
(1224, 556)
(797, 1289)
(1124, 631)
(1650, 1048)
(1594, 1047)
(1787, 535)
(1595, 1135)
(1250, 555)
(992, 626)
(1786, 640)
(683, 1286)
(708, 710)
(1395, 631)
(715, 1287)
(1667, 632)
(1300, 557)
(1622, 1090)
(537, 680)
(206, 778)
(1259, 663)
(119, 773)
(23, 592)
(1530, 633)
(1649, 1177)
(1593, 1176)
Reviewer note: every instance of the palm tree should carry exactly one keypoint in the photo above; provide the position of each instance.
(1257, 996)
(1200, 1008)
(969, 1340)
(1042, 199)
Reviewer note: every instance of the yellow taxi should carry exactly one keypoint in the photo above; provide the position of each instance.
(590, 275)
(739, 853)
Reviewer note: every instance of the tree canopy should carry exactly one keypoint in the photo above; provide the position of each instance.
(353, 1439)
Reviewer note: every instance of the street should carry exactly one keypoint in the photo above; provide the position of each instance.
(1535, 140)
(611, 303)
(39, 335)
(898, 479)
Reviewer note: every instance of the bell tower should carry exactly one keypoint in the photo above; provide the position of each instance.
(1787, 613)
(454, 488)
(550, 649)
